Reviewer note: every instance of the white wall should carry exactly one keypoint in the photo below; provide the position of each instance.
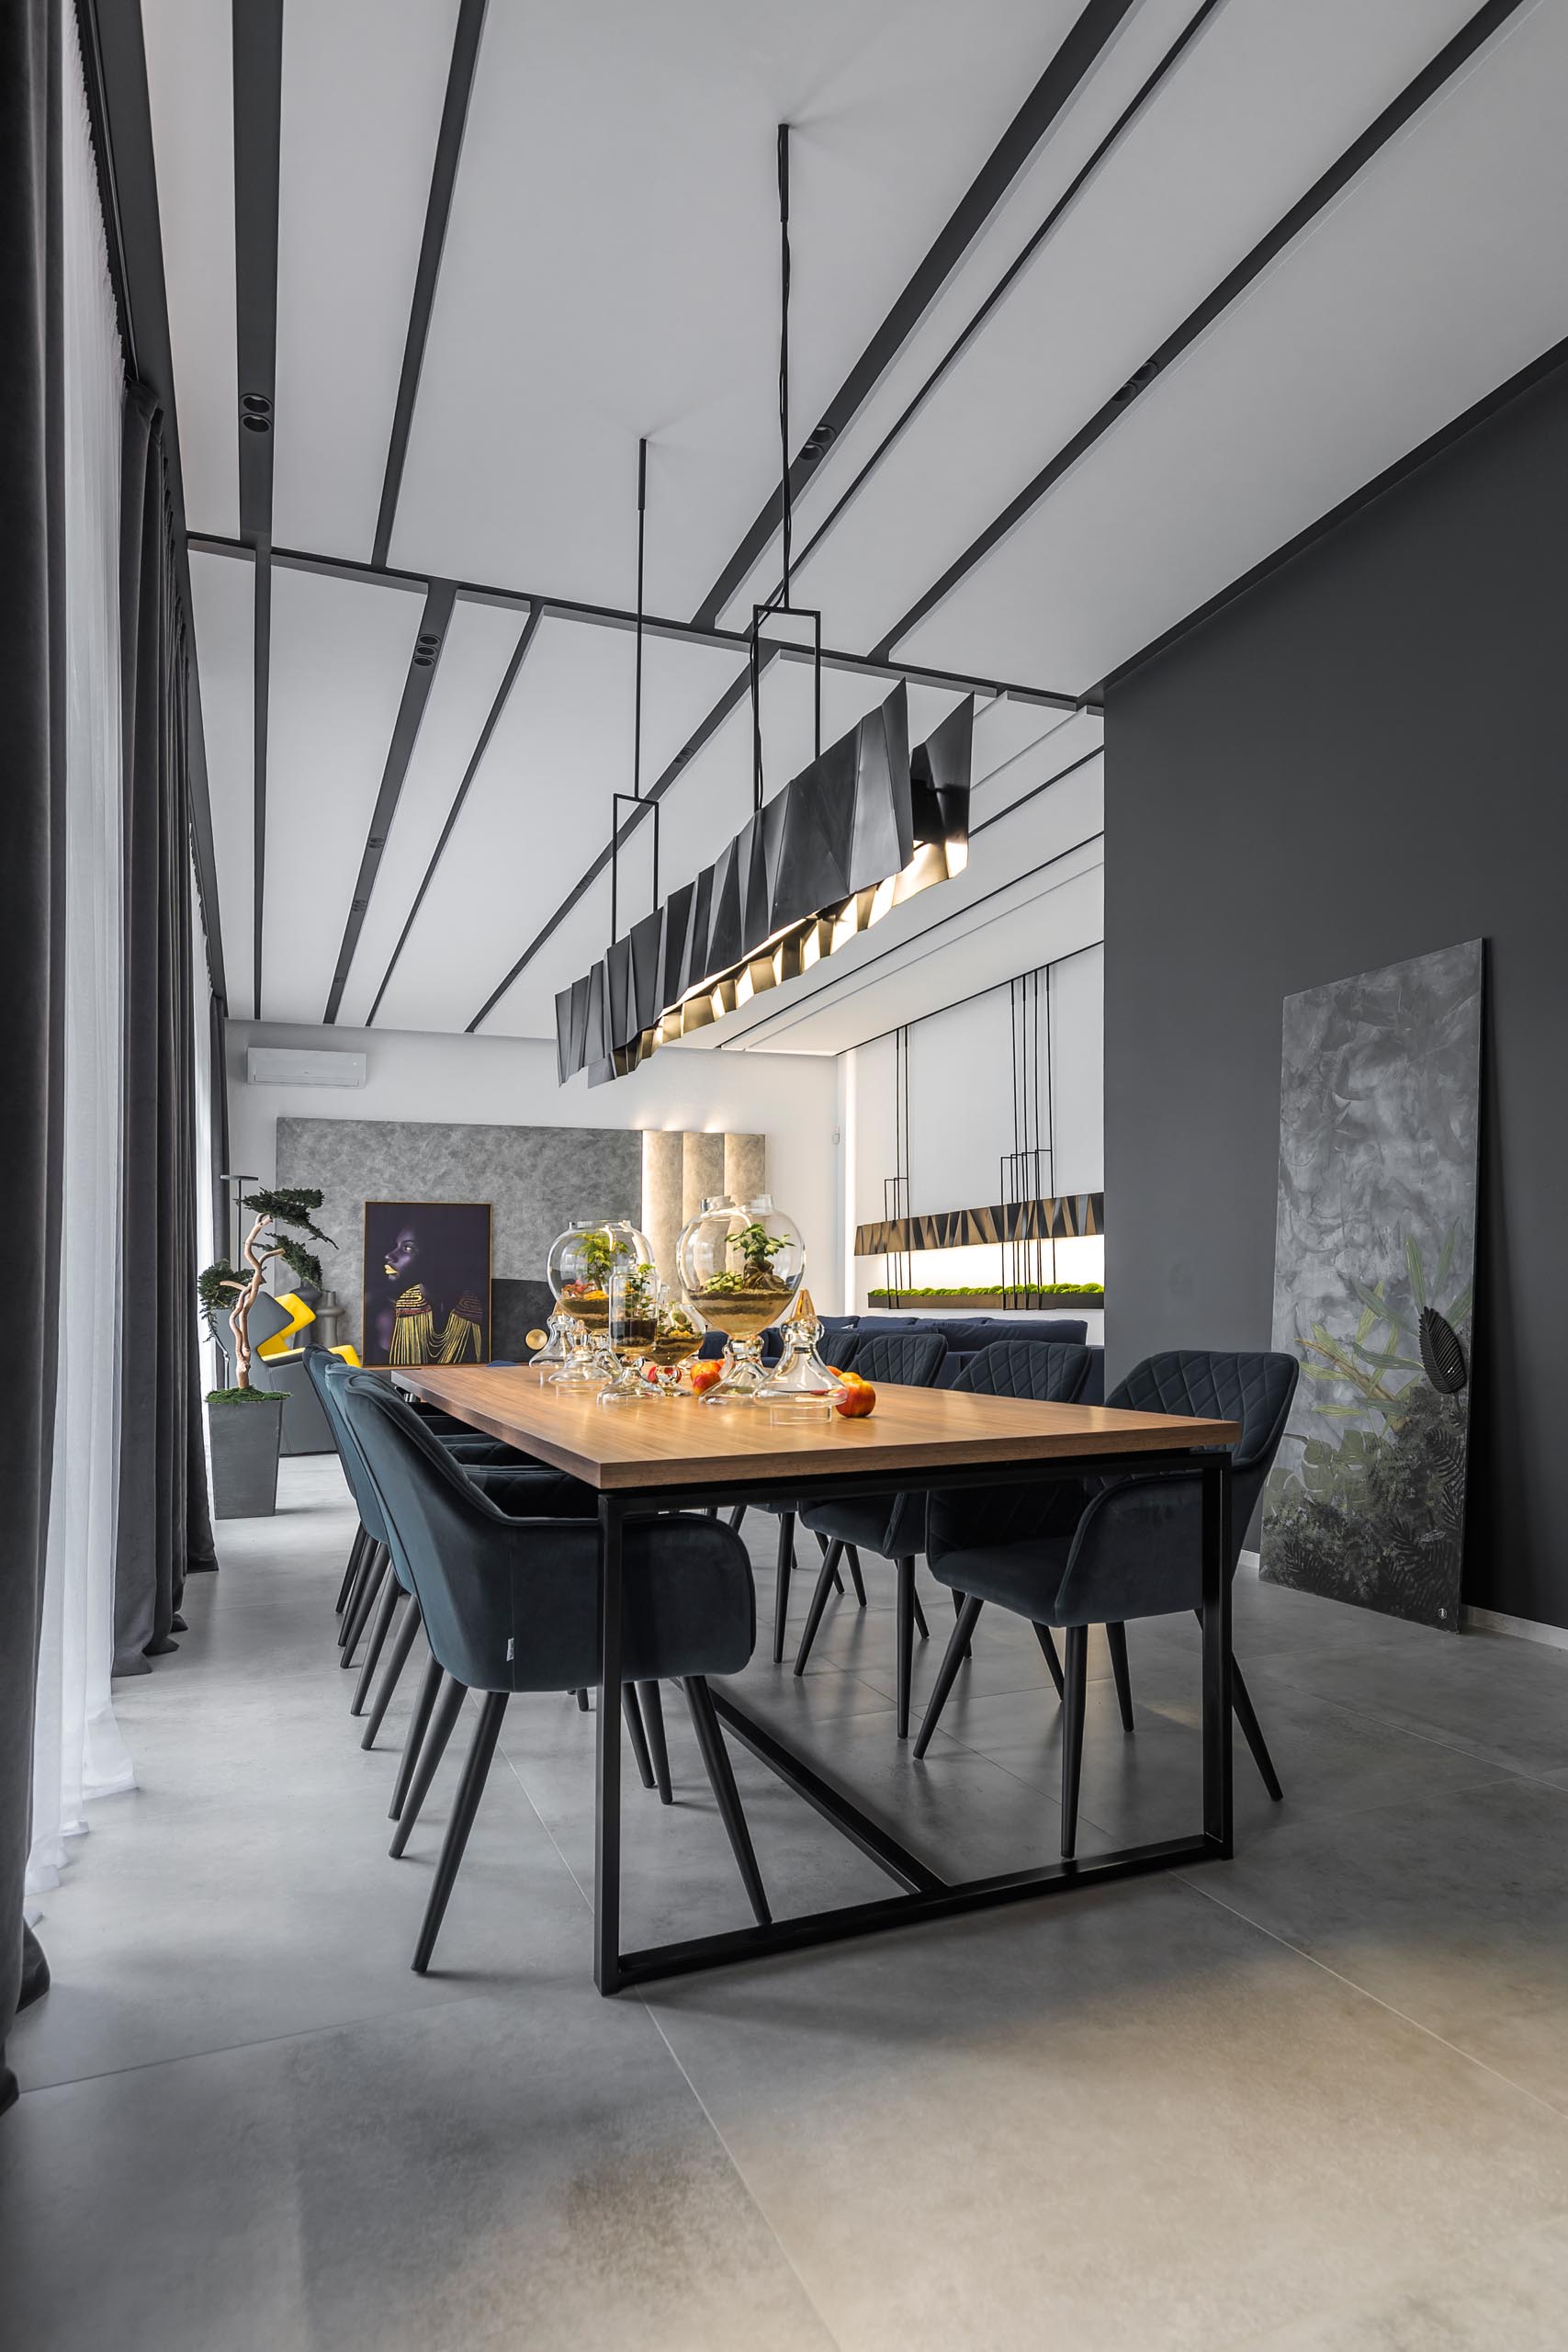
(793, 1099)
(960, 1120)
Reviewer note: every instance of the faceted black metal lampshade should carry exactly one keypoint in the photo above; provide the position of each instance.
(867, 825)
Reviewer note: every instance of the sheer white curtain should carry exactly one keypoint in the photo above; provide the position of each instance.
(78, 1753)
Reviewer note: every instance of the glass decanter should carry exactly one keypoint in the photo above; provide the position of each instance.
(551, 1344)
(585, 1368)
(800, 1383)
(741, 1266)
(584, 1258)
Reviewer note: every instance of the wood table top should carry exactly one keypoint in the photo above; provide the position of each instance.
(678, 1442)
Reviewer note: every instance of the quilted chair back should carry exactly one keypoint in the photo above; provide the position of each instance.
(1255, 1390)
(1049, 1371)
(901, 1359)
(838, 1349)
(325, 1370)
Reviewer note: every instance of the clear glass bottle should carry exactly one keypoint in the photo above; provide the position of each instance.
(800, 1383)
(741, 1266)
(744, 1373)
(552, 1344)
(585, 1367)
(584, 1259)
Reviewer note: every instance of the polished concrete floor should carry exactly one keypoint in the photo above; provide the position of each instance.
(1315, 2100)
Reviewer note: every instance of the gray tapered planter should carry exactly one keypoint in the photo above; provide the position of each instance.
(244, 1441)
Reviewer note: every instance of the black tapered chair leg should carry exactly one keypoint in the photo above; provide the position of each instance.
(1075, 1699)
(818, 1603)
(637, 1737)
(958, 1601)
(1048, 1650)
(371, 1593)
(853, 1557)
(350, 1573)
(391, 1593)
(653, 1722)
(356, 1587)
(419, 1724)
(721, 1779)
(1246, 1714)
(780, 1581)
(581, 1703)
(443, 1722)
(1122, 1673)
(470, 1788)
(953, 1657)
(1251, 1730)
(713, 1511)
(906, 1640)
(397, 1659)
(921, 1628)
(736, 1516)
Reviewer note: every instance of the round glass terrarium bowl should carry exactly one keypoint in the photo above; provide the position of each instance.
(585, 1258)
(741, 1266)
(678, 1333)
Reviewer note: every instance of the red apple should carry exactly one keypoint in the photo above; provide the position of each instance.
(858, 1399)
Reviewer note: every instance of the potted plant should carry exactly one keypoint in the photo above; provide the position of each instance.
(245, 1424)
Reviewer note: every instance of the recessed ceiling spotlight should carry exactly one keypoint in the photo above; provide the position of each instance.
(256, 424)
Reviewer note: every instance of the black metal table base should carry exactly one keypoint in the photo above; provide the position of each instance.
(924, 1895)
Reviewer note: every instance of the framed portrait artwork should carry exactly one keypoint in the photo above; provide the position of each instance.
(427, 1288)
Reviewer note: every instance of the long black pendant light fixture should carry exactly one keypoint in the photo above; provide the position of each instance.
(868, 825)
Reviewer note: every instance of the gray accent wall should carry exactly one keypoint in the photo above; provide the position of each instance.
(537, 1179)
(1360, 760)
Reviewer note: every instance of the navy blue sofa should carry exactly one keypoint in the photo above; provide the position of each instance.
(964, 1334)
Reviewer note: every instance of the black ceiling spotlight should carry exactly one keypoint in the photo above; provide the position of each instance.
(868, 824)
(255, 413)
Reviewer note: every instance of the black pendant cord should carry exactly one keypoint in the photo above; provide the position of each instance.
(781, 602)
(634, 798)
(784, 499)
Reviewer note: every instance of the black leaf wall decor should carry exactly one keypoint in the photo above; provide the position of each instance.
(1442, 1357)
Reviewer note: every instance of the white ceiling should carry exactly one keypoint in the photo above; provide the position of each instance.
(610, 272)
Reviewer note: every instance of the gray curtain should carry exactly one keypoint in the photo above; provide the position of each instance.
(162, 1528)
(32, 696)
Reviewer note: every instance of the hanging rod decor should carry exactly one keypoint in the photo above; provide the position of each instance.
(865, 827)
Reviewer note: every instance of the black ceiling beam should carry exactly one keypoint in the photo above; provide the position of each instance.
(503, 694)
(732, 698)
(730, 640)
(423, 663)
(258, 117)
(437, 213)
(1392, 120)
(1380, 485)
(1058, 211)
(115, 67)
(1086, 42)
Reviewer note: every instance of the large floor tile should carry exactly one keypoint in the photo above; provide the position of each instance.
(1123, 2122)
(528, 2171)
(1509, 2297)
(1451, 1906)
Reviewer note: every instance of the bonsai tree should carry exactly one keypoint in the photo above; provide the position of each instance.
(758, 1250)
(222, 1285)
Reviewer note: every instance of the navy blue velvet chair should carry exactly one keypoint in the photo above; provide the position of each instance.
(1110, 1550)
(1047, 1371)
(511, 1604)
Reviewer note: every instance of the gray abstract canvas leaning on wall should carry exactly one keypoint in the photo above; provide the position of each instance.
(1374, 1258)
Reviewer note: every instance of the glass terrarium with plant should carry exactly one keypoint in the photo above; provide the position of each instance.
(585, 1259)
(741, 1266)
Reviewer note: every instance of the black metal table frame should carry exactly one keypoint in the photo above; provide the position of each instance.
(925, 1893)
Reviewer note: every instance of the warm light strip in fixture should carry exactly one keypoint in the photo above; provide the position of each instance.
(865, 827)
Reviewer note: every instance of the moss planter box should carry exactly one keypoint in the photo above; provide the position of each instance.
(990, 1302)
(244, 1441)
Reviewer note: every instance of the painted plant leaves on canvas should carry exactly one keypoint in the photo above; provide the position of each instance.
(1375, 1254)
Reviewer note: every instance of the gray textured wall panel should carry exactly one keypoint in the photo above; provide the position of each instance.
(536, 1179)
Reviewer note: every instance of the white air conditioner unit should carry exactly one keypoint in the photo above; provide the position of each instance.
(289, 1065)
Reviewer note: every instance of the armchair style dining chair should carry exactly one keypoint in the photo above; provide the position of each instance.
(1047, 1371)
(511, 1604)
(1113, 1550)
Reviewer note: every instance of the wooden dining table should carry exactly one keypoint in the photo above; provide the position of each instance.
(676, 1450)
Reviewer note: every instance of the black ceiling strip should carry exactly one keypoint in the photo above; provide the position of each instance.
(727, 640)
(437, 213)
(1392, 120)
(732, 697)
(530, 628)
(115, 66)
(258, 115)
(423, 663)
(1390, 479)
(1089, 35)
(1063, 204)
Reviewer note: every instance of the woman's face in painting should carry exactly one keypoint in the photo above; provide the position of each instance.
(402, 1254)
